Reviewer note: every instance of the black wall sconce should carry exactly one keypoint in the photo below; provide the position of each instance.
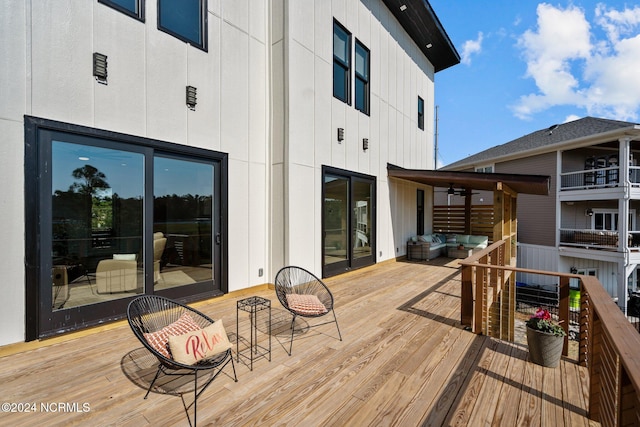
(365, 144)
(192, 98)
(340, 134)
(573, 270)
(100, 67)
(589, 212)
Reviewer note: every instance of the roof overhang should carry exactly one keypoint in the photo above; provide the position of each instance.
(423, 26)
(524, 184)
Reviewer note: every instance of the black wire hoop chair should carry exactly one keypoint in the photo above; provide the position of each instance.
(151, 313)
(293, 280)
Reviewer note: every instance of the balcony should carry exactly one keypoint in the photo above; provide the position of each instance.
(598, 178)
(590, 239)
(406, 359)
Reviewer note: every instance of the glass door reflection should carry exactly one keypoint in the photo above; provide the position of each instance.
(97, 218)
(182, 222)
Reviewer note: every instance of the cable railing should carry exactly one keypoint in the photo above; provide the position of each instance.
(608, 345)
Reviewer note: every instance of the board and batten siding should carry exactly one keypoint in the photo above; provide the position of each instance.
(536, 214)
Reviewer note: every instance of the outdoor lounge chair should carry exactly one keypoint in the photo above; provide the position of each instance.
(303, 294)
(154, 319)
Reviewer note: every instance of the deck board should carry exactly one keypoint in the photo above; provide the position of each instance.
(405, 360)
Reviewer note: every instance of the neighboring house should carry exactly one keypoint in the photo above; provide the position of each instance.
(193, 148)
(590, 222)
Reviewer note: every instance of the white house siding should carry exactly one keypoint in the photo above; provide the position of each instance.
(264, 97)
(14, 95)
(538, 258)
(46, 72)
(399, 74)
(551, 259)
(537, 212)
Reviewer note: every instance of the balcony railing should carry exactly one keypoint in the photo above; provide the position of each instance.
(597, 178)
(608, 344)
(587, 238)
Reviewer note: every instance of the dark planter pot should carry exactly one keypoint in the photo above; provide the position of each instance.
(544, 349)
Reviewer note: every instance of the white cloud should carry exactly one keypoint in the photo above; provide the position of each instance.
(571, 67)
(471, 47)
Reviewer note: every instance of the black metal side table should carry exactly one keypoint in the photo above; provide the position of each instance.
(253, 305)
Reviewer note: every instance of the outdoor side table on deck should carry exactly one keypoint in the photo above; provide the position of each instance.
(253, 305)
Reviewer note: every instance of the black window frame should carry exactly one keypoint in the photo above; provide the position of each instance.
(40, 323)
(340, 64)
(139, 15)
(420, 113)
(362, 78)
(202, 43)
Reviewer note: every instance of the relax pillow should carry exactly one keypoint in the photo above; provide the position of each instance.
(426, 238)
(305, 304)
(159, 339)
(192, 347)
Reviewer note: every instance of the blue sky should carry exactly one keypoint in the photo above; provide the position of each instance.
(527, 65)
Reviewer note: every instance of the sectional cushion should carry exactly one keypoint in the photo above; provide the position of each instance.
(478, 239)
(462, 238)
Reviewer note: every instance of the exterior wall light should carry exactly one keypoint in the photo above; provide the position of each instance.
(589, 212)
(340, 134)
(192, 98)
(365, 144)
(100, 67)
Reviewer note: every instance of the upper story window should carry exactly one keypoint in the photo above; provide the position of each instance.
(362, 78)
(421, 113)
(184, 19)
(341, 62)
(133, 8)
(484, 169)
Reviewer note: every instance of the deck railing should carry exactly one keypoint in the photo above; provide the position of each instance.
(608, 344)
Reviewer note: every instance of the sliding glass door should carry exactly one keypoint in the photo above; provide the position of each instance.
(113, 217)
(348, 221)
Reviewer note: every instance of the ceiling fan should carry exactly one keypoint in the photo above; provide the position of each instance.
(457, 192)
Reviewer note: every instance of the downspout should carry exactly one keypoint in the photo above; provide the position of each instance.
(623, 166)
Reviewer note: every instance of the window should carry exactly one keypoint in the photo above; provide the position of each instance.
(484, 169)
(114, 216)
(341, 62)
(420, 212)
(184, 19)
(362, 78)
(607, 219)
(421, 113)
(133, 8)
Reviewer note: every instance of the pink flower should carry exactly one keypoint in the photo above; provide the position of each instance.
(542, 314)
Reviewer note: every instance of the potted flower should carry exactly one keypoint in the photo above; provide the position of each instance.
(545, 338)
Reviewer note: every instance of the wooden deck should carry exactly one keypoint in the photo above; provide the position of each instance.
(405, 360)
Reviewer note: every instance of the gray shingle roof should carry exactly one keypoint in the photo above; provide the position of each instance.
(554, 135)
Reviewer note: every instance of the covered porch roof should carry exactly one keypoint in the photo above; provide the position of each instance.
(524, 184)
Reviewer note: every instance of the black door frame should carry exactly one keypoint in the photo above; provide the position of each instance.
(41, 321)
(350, 263)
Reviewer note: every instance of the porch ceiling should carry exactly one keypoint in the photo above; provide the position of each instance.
(523, 184)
